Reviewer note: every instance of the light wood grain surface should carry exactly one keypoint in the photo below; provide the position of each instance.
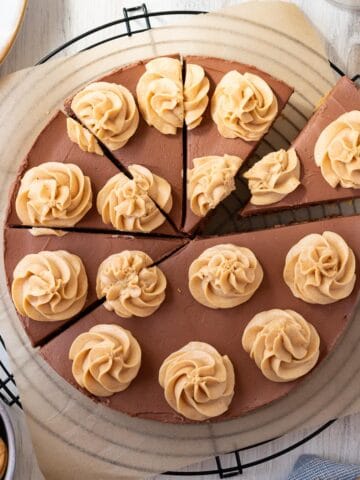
(49, 23)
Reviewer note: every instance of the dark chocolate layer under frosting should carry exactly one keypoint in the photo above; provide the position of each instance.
(181, 319)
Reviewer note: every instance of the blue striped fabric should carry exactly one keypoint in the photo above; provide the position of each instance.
(310, 467)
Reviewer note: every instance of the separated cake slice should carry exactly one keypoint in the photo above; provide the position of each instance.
(143, 134)
(229, 107)
(216, 287)
(323, 164)
(52, 289)
(62, 184)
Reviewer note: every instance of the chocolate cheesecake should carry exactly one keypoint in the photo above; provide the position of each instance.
(54, 145)
(108, 277)
(92, 248)
(313, 188)
(205, 139)
(181, 319)
(161, 154)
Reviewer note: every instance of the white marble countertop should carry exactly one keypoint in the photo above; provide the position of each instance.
(49, 23)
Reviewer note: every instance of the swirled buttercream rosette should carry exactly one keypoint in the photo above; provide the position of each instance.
(49, 286)
(320, 268)
(105, 360)
(53, 194)
(130, 284)
(282, 343)
(225, 276)
(198, 382)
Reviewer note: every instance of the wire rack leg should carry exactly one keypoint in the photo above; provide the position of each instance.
(128, 13)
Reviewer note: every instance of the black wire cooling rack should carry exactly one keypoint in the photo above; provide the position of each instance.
(8, 391)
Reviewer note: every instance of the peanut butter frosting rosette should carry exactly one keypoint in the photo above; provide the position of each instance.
(282, 343)
(160, 95)
(198, 382)
(109, 111)
(158, 188)
(53, 194)
(320, 269)
(49, 286)
(243, 106)
(82, 137)
(106, 359)
(337, 151)
(225, 276)
(130, 284)
(273, 177)
(196, 88)
(129, 204)
(210, 181)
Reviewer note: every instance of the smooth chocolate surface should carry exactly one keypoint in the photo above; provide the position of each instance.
(92, 248)
(162, 154)
(205, 139)
(344, 97)
(54, 145)
(181, 319)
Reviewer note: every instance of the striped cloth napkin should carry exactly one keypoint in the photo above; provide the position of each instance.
(310, 467)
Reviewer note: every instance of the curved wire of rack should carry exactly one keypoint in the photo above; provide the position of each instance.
(128, 18)
(8, 392)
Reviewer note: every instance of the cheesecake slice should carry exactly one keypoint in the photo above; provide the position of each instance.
(314, 188)
(206, 139)
(160, 153)
(92, 249)
(54, 145)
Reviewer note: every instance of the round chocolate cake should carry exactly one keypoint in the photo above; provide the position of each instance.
(106, 262)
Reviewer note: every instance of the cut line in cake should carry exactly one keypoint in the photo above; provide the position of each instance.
(323, 163)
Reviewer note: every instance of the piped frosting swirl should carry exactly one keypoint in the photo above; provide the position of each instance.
(160, 95)
(196, 88)
(282, 343)
(337, 151)
(53, 194)
(49, 286)
(105, 360)
(224, 276)
(273, 177)
(198, 382)
(210, 181)
(131, 285)
(320, 269)
(82, 137)
(243, 106)
(109, 111)
(128, 204)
